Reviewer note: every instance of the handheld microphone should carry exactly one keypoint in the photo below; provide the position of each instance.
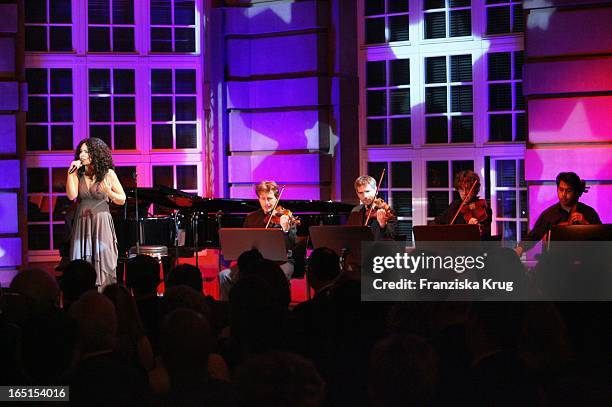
(73, 168)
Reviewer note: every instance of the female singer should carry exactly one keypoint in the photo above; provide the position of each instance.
(464, 180)
(92, 180)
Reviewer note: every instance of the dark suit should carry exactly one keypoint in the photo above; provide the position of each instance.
(358, 216)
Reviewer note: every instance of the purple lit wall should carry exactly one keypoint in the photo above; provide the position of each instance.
(569, 90)
(285, 104)
(11, 62)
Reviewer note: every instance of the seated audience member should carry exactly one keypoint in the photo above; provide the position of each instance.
(133, 345)
(279, 379)
(403, 372)
(185, 347)
(229, 276)
(142, 277)
(100, 377)
(79, 277)
(185, 274)
(38, 287)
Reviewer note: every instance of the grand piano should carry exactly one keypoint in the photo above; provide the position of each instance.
(188, 223)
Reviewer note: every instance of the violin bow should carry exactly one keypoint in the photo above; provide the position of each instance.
(463, 203)
(275, 205)
(375, 196)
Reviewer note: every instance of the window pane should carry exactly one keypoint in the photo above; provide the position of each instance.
(125, 137)
(460, 3)
(185, 81)
(161, 136)
(375, 74)
(184, 39)
(186, 136)
(437, 174)
(499, 66)
(433, 4)
(60, 38)
(61, 137)
(500, 97)
(35, 11)
(517, 19)
(461, 165)
(161, 40)
(375, 170)
(401, 172)
(435, 70)
(462, 129)
(161, 81)
(60, 11)
(123, 81)
(38, 180)
(125, 110)
(161, 12)
(103, 132)
(437, 202)
(373, 7)
(523, 208)
(126, 176)
(519, 102)
(123, 12)
(461, 98)
(376, 131)
(399, 71)
(37, 110)
(99, 109)
(161, 108)
(37, 80)
(397, 6)
(162, 175)
(38, 208)
(404, 229)
(37, 138)
(123, 39)
(436, 129)
(36, 38)
(519, 57)
(435, 100)
(498, 20)
(60, 208)
(399, 101)
(376, 103)
(506, 173)
(185, 108)
(375, 30)
(186, 177)
(506, 204)
(38, 237)
(61, 109)
(461, 68)
(500, 127)
(399, 28)
(99, 81)
(507, 230)
(521, 128)
(460, 23)
(402, 203)
(435, 25)
(99, 39)
(61, 81)
(98, 11)
(184, 12)
(58, 179)
(522, 173)
(400, 131)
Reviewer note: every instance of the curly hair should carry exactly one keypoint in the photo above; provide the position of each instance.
(573, 180)
(467, 178)
(99, 155)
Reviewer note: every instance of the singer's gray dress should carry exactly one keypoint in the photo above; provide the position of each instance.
(93, 235)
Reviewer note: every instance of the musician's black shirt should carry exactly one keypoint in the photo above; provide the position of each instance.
(554, 215)
(258, 219)
(446, 217)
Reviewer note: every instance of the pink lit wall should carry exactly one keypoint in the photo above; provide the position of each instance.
(569, 100)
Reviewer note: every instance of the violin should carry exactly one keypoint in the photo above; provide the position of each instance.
(379, 203)
(274, 217)
(476, 209)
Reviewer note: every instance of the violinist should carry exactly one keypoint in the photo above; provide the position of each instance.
(382, 218)
(568, 211)
(268, 194)
(475, 211)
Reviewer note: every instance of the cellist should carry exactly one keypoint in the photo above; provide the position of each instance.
(567, 211)
(475, 211)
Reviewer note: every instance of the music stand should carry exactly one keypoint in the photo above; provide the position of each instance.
(446, 233)
(578, 233)
(270, 242)
(342, 239)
